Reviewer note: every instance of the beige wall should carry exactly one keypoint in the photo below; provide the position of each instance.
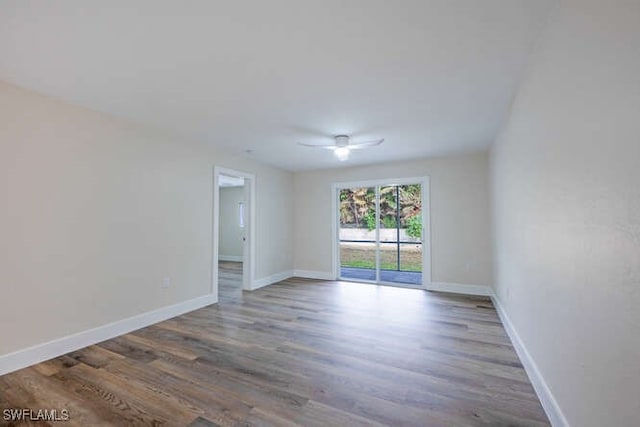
(566, 196)
(97, 210)
(460, 225)
(230, 244)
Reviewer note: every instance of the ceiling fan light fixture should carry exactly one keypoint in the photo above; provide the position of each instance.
(342, 153)
(342, 147)
(341, 140)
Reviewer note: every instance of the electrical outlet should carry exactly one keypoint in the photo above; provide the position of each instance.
(166, 282)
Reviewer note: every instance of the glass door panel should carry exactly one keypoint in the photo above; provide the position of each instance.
(357, 233)
(410, 234)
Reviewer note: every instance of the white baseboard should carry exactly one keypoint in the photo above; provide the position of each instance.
(548, 401)
(41, 352)
(235, 258)
(458, 288)
(269, 280)
(308, 274)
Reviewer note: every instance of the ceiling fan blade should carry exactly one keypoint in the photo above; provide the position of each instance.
(312, 132)
(328, 147)
(365, 144)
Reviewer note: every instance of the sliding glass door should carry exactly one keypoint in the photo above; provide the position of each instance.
(381, 233)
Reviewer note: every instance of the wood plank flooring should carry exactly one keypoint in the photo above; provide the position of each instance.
(300, 352)
(229, 281)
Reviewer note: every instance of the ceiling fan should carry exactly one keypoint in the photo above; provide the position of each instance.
(342, 147)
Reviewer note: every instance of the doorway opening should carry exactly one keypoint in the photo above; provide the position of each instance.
(233, 232)
(381, 232)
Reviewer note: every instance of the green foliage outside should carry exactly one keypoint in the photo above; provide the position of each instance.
(414, 226)
(358, 206)
(370, 220)
(389, 221)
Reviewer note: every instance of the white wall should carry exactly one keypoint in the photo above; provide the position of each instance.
(460, 224)
(96, 210)
(231, 234)
(566, 200)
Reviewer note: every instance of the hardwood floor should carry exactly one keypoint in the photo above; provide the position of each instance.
(229, 281)
(300, 352)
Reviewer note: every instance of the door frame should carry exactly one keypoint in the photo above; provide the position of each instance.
(248, 251)
(426, 224)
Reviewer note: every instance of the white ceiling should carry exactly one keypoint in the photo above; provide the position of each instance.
(432, 77)
(230, 181)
